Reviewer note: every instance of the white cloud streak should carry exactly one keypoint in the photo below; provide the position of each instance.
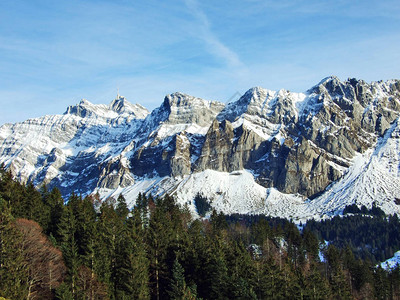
(213, 44)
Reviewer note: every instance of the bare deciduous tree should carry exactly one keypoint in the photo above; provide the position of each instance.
(44, 262)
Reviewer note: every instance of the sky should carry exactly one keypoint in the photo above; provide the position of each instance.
(54, 53)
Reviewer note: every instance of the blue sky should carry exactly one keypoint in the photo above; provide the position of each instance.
(53, 53)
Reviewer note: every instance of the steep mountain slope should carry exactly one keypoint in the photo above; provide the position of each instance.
(373, 177)
(67, 150)
(279, 153)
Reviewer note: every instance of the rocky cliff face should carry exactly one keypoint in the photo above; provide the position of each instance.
(297, 143)
(300, 143)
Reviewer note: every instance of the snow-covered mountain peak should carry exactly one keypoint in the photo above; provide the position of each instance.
(328, 79)
(252, 102)
(87, 109)
(332, 86)
(390, 87)
(179, 108)
(122, 106)
(179, 99)
(356, 89)
(118, 111)
(119, 104)
(258, 92)
(85, 102)
(256, 95)
(264, 107)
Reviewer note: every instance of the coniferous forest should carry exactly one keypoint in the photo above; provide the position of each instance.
(88, 249)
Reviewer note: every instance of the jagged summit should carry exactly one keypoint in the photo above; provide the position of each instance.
(121, 105)
(274, 152)
(329, 79)
(179, 108)
(253, 101)
(85, 108)
(263, 107)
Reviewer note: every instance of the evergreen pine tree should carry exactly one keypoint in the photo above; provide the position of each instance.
(311, 244)
(109, 227)
(272, 283)
(67, 230)
(260, 231)
(13, 271)
(217, 270)
(337, 279)
(13, 193)
(132, 274)
(86, 230)
(394, 282)
(34, 206)
(142, 207)
(316, 286)
(178, 287)
(159, 234)
(122, 209)
(195, 258)
(46, 209)
(56, 204)
(381, 284)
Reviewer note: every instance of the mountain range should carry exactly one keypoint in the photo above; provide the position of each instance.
(279, 153)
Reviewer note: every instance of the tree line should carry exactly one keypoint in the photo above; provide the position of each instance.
(369, 233)
(91, 249)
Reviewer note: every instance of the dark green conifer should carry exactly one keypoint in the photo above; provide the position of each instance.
(13, 271)
(122, 209)
(132, 274)
(67, 231)
(178, 288)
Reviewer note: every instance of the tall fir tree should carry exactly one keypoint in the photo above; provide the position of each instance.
(67, 231)
(56, 203)
(337, 278)
(34, 207)
(122, 209)
(109, 227)
(178, 289)
(132, 274)
(13, 270)
(159, 235)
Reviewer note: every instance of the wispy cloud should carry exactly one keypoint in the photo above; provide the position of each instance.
(213, 44)
(55, 53)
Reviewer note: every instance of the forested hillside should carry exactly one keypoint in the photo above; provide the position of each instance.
(88, 249)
